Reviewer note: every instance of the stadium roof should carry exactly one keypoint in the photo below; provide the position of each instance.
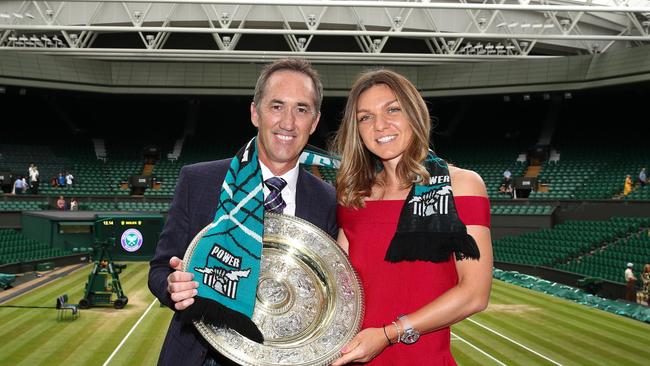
(351, 31)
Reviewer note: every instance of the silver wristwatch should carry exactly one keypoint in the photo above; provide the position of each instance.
(409, 335)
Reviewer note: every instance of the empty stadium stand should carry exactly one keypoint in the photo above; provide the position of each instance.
(591, 248)
(15, 248)
(609, 261)
(591, 172)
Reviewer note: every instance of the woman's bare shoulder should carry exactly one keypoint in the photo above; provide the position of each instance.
(465, 182)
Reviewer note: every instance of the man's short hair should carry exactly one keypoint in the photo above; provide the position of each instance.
(289, 64)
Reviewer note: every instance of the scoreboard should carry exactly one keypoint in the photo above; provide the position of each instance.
(136, 235)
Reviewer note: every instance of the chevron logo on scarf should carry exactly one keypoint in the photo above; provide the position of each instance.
(429, 228)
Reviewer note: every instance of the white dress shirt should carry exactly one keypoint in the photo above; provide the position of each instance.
(288, 192)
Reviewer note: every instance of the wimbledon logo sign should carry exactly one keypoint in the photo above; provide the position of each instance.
(131, 240)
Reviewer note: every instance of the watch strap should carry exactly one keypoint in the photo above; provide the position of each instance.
(409, 334)
(406, 325)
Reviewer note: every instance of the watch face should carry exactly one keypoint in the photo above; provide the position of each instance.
(411, 336)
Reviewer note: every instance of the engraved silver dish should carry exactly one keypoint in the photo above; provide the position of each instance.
(309, 299)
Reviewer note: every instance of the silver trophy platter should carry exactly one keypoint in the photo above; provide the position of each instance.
(309, 299)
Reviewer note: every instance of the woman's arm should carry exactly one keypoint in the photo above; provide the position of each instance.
(342, 241)
(472, 292)
(469, 296)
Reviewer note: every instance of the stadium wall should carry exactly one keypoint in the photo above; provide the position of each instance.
(10, 220)
(512, 225)
(25, 267)
(602, 210)
(607, 289)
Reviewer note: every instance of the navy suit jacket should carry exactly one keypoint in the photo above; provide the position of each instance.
(193, 207)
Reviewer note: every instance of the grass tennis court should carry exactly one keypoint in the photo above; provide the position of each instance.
(520, 327)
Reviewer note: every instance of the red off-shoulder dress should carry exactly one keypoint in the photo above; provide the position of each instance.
(392, 289)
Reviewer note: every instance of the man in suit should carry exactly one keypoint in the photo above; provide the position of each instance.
(286, 111)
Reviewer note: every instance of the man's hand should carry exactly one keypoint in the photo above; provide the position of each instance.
(363, 347)
(180, 285)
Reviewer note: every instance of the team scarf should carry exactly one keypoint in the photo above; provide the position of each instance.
(429, 228)
(226, 260)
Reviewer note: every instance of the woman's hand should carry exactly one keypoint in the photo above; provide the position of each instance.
(363, 347)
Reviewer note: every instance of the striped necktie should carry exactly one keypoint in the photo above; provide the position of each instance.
(274, 202)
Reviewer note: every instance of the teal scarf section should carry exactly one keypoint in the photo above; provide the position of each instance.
(226, 261)
(312, 155)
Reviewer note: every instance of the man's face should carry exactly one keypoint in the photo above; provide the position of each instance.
(285, 117)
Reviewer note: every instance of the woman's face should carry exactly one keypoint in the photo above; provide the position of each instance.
(383, 125)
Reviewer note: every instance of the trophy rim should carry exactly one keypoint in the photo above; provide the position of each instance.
(224, 349)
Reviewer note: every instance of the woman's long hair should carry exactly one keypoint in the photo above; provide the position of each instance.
(359, 167)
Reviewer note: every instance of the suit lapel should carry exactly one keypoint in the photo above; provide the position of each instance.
(302, 196)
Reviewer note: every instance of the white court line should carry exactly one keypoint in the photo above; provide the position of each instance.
(129, 333)
(515, 342)
(478, 349)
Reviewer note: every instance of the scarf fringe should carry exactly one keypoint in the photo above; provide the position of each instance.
(218, 315)
(431, 247)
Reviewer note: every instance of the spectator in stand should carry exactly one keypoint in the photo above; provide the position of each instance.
(506, 186)
(645, 277)
(61, 180)
(33, 179)
(627, 188)
(68, 179)
(74, 205)
(19, 185)
(507, 174)
(630, 282)
(60, 204)
(643, 177)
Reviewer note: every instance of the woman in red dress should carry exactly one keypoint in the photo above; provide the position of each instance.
(416, 229)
